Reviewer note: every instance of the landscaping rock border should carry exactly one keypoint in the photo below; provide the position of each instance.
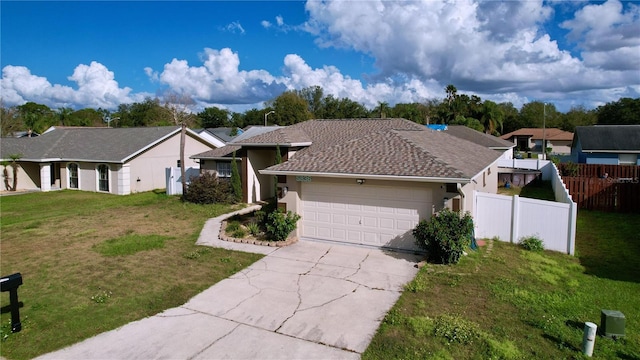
(223, 236)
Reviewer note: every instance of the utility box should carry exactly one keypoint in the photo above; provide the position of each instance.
(612, 323)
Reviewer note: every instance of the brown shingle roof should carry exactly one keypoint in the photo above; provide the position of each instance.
(536, 134)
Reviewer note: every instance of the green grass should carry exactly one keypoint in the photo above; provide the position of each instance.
(510, 303)
(534, 190)
(130, 244)
(94, 262)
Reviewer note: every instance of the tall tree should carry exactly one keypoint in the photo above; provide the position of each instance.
(625, 111)
(314, 96)
(491, 117)
(213, 117)
(64, 116)
(289, 109)
(236, 182)
(10, 120)
(577, 116)
(452, 93)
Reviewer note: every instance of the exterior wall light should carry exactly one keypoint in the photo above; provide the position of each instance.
(360, 181)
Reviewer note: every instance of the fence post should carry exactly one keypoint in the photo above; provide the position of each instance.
(571, 234)
(515, 218)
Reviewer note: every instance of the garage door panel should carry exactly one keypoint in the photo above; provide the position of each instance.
(386, 223)
(370, 222)
(405, 225)
(339, 219)
(339, 234)
(362, 214)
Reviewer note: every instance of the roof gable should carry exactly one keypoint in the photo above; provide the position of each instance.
(91, 144)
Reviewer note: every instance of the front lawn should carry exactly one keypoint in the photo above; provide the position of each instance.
(502, 302)
(94, 262)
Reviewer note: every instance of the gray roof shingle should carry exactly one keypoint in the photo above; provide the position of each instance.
(387, 147)
(486, 140)
(87, 144)
(609, 137)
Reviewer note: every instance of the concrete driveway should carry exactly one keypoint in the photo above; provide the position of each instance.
(309, 300)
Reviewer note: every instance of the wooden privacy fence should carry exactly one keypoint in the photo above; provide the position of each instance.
(599, 170)
(605, 194)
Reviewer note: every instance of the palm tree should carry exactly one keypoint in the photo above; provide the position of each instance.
(492, 117)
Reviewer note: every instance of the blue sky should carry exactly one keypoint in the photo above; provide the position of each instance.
(239, 54)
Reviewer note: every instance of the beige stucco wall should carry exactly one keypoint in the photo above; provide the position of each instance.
(259, 187)
(150, 166)
(560, 146)
(28, 176)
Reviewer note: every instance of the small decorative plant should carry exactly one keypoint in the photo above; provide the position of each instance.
(279, 224)
(532, 243)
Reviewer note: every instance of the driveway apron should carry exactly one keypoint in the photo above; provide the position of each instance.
(309, 300)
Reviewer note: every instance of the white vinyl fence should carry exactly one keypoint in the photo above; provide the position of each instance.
(510, 218)
(174, 181)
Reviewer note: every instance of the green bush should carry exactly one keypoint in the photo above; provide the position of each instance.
(232, 226)
(253, 228)
(444, 236)
(532, 243)
(207, 189)
(240, 233)
(279, 225)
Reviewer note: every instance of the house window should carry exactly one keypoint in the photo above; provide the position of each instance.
(223, 169)
(627, 159)
(103, 177)
(73, 176)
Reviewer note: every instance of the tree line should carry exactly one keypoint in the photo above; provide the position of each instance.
(311, 103)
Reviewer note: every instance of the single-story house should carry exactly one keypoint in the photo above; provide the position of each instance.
(606, 144)
(114, 160)
(559, 141)
(360, 181)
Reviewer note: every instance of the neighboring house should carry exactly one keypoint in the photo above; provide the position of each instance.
(531, 139)
(114, 160)
(218, 136)
(362, 181)
(606, 144)
(480, 138)
(218, 161)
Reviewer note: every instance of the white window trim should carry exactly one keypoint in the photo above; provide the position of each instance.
(69, 175)
(98, 178)
(218, 163)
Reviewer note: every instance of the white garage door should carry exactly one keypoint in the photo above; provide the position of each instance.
(364, 214)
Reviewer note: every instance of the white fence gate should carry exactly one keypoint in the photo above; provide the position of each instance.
(511, 218)
(174, 181)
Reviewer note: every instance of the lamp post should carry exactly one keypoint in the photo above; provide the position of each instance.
(544, 126)
(267, 114)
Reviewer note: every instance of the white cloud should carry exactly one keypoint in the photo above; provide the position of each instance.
(96, 88)
(497, 50)
(219, 79)
(234, 27)
(485, 47)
